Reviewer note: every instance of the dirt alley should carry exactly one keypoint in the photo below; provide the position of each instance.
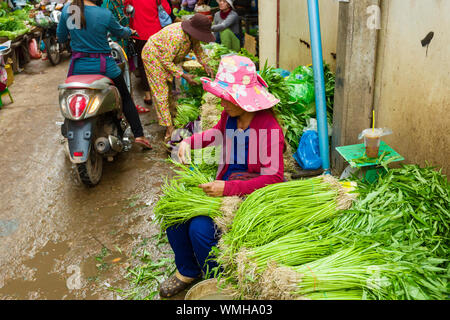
(52, 229)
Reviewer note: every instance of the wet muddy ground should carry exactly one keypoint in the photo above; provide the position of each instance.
(59, 239)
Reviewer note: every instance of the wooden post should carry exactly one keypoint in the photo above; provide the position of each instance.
(355, 76)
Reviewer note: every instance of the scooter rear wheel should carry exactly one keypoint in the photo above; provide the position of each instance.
(90, 172)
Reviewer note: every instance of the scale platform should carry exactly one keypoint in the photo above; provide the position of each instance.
(357, 151)
(355, 156)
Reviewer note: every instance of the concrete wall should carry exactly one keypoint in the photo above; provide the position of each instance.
(294, 32)
(412, 94)
(406, 84)
(267, 19)
(355, 77)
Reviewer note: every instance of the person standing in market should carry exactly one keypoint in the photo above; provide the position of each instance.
(226, 26)
(117, 7)
(146, 23)
(253, 143)
(164, 50)
(188, 5)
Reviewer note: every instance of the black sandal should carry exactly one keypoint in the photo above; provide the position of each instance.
(148, 101)
(172, 286)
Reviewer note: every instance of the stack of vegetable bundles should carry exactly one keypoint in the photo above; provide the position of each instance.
(392, 244)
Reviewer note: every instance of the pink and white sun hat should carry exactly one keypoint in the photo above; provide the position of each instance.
(237, 81)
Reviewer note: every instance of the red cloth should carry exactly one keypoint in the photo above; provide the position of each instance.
(145, 20)
(259, 146)
(224, 15)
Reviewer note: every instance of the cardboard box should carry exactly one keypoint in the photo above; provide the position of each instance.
(250, 44)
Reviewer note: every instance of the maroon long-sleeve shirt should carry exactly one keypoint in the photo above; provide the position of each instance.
(265, 155)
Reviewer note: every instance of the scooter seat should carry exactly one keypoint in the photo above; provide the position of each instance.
(90, 81)
(87, 78)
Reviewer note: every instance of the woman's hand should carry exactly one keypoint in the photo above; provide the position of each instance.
(190, 79)
(134, 33)
(208, 70)
(214, 189)
(182, 148)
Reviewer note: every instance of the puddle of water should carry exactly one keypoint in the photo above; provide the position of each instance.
(45, 280)
(100, 268)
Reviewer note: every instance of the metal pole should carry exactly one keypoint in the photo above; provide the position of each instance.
(319, 83)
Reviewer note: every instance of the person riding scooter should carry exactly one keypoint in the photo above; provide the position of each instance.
(88, 26)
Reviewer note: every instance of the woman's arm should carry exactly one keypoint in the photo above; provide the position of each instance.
(209, 137)
(230, 20)
(62, 32)
(116, 29)
(202, 57)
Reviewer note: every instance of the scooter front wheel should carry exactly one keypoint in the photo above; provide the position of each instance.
(52, 46)
(90, 172)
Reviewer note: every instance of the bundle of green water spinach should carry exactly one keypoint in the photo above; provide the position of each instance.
(276, 210)
(407, 211)
(183, 200)
(188, 110)
(392, 244)
(355, 268)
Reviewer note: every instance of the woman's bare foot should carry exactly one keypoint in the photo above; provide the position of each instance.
(169, 132)
(148, 98)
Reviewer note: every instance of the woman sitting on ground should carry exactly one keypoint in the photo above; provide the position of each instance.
(252, 142)
(226, 26)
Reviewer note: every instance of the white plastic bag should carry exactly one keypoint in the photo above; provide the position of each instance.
(311, 124)
(379, 132)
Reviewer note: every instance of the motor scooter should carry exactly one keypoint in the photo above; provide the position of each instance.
(94, 126)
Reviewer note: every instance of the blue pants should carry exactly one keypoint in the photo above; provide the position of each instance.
(192, 242)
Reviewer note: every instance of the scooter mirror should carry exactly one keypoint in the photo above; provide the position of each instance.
(55, 16)
(129, 11)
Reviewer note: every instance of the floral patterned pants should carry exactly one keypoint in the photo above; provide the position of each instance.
(157, 79)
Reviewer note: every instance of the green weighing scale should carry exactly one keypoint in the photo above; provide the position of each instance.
(372, 168)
